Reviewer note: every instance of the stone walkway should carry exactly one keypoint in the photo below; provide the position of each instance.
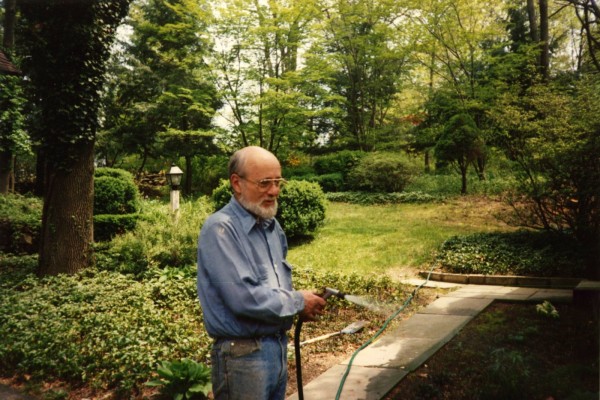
(379, 367)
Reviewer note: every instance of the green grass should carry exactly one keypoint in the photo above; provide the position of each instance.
(383, 238)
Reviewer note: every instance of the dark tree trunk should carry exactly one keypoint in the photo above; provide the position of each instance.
(187, 189)
(40, 174)
(544, 40)
(5, 171)
(67, 219)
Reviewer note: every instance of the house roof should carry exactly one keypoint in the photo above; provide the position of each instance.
(6, 67)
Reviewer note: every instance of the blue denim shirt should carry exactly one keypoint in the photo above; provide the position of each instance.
(244, 282)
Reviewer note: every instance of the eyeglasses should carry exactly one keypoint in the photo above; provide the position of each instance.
(265, 184)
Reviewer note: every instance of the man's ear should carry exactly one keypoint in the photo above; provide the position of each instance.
(235, 181)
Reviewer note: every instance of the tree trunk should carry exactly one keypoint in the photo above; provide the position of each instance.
(67, 219)
(187, 189)
(544, 40)
(463, 176)
(40, 173)
(534, 33)
(5, 170)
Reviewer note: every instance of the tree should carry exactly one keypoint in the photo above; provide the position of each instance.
(188, 144)
(459, 144)
(163, 87)
(258, 74)
(552, 134)
(66, 44)
(368, 44)
(588, 14)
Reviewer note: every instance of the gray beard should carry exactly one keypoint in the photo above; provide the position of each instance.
(260, 212)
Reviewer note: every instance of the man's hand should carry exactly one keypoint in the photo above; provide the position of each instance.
(313, 305)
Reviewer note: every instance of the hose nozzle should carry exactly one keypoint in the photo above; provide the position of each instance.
(328, 292)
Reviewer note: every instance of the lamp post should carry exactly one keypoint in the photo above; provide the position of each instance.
(174, 180)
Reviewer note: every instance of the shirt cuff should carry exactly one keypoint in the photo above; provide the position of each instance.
(298, 301)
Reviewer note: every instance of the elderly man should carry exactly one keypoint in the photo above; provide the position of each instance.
(245, 283)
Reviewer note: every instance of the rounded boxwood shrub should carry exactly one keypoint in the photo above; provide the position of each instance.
(116, 202)
(115, 192)
(301, 206)
(333, 182)
(382, 172)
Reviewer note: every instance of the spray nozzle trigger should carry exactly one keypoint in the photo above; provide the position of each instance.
(328, 292)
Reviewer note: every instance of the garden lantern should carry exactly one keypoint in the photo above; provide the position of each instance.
(174, 180)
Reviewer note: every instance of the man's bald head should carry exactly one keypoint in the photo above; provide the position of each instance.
(245, 160)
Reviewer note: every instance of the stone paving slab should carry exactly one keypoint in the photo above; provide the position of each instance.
(362, 383)
(426, 326)
(457, 306)
(553, 295)
(405, 354)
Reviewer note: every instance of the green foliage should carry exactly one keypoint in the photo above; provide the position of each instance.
(301, 206)
(13, 138)
(20, 223)
(447, 185)
(222, 194)
(333, 182)
(460, 143)
(182, 380)
(115, 192)
(508, 373)
(341, 162)
(365, 198)
(116, 203)
(109, 331)
(99, 328)
(106, 226)
(516, 253)
(66, 68)
(382, 172)
(159, 240)
(552, 135)
(547, 309)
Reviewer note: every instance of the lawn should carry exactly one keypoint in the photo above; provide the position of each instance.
(396, 239)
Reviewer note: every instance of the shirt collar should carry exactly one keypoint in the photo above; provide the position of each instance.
(249, 220)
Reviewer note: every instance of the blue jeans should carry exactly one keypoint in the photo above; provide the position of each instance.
(250, 369)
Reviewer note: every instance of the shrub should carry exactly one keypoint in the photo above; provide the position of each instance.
(382, 172)
(222, 194)
(159, 239)
(99, 328)
(115, 192)
(106, 226)
(365, 198)
(333, 182)
(116, 202)
(341, 162)
(516, 253)
(301, 206)
(20, 223)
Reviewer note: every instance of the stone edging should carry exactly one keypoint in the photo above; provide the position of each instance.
(503, 280)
